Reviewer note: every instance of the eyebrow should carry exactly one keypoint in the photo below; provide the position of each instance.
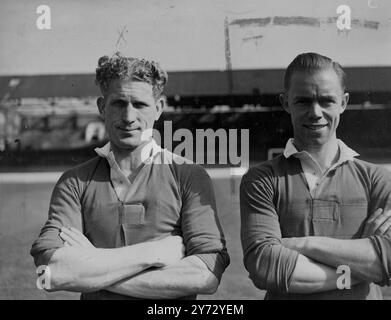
(311, 97)
(328, 97)
(124, 98)
(303, 98)
(118, 97)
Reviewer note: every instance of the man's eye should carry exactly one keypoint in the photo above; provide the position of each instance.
(327, 102)
(139, 104)
(118, 103)
(303, 102)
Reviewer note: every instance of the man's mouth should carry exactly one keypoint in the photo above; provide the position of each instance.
(315, 127)
(128, 129)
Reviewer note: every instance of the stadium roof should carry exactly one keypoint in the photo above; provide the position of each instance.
(186, 84)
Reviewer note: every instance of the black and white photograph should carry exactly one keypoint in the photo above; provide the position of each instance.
(211, 150)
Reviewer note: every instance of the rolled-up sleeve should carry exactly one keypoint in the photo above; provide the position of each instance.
(269, 263)
(64, 210)
(382, 246)
(381, 198)
(201, 229)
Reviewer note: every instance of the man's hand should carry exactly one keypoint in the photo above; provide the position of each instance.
(74, 238)
(80, 267)
(379, 223)
(169, 250)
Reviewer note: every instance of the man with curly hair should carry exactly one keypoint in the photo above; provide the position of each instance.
(136, 221)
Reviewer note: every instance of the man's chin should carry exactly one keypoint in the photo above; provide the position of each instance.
(312, 140)
(318, 135)
(128, 143)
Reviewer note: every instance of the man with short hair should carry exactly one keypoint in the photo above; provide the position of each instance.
(136, 221)
(315, 220)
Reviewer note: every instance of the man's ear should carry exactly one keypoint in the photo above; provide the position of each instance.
(344, 102)
(100, 102)
(284, 102)
(159, 107)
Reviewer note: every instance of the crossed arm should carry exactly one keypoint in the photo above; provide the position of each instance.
(327, 254)
(187, 277)
(369, 257)
(358, 254)
(155, 269)
(307, 264)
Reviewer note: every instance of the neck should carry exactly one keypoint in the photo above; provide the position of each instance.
(325, 155)
(129, 159)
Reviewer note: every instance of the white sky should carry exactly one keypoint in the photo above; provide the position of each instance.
(184, 34)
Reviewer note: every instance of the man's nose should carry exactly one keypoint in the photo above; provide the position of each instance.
(315, 110)
(129, 113)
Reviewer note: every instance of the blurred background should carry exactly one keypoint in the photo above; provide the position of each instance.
(225, 61)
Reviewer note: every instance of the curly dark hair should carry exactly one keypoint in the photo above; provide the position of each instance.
(120, 67)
